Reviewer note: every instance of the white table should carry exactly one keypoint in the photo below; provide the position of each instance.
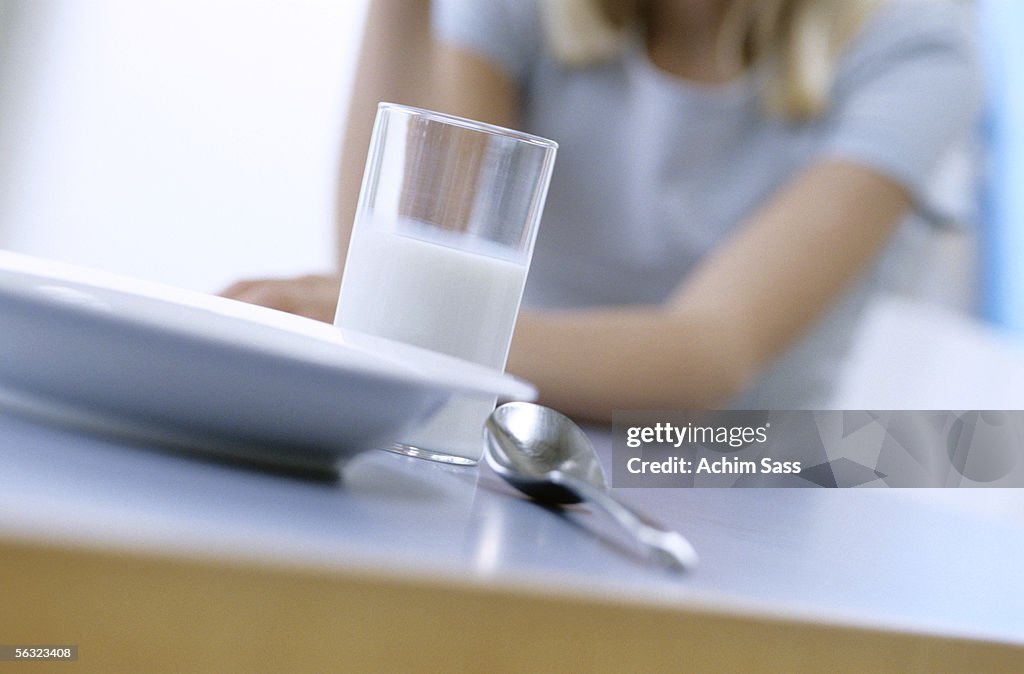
(152, 561)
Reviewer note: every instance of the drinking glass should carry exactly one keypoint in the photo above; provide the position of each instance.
(441, 244)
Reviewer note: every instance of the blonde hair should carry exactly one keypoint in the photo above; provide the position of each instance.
(797, 42)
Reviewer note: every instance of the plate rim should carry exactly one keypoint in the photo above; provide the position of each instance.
(27, 269)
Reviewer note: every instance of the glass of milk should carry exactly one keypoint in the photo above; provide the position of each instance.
(440, 247)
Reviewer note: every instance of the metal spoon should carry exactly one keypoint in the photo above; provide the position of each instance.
(545, 455)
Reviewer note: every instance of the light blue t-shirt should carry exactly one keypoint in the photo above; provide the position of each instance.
(653, 172)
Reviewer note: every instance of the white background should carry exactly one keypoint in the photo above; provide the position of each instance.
(180, 141)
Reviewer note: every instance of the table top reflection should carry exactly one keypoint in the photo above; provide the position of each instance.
(946, 563)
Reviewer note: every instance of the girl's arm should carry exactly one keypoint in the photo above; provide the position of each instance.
(756, 295)
(399, 62)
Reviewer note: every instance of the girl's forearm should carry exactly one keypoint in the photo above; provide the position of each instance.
(589, 363)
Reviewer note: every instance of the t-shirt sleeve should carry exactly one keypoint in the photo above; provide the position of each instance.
(908, 86)
(506, 32)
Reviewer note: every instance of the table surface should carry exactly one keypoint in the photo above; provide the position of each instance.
(943, 564)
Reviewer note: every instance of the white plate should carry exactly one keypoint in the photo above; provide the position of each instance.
(208, 373)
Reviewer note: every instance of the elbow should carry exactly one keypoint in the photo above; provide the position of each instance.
(719, 384)
(713, 381)
(736, 368)
(732, 382)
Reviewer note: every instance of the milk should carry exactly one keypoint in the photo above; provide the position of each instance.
(406, 281)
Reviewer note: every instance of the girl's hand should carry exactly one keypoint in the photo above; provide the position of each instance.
(313, 296)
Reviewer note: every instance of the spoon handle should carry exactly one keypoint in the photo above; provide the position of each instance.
(669, 548)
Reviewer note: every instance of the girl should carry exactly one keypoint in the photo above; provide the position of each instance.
(735, 179)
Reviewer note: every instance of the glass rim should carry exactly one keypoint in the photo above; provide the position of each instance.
(470, 124)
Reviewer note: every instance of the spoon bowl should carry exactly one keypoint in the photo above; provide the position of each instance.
(527, 442)
(545, 455)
